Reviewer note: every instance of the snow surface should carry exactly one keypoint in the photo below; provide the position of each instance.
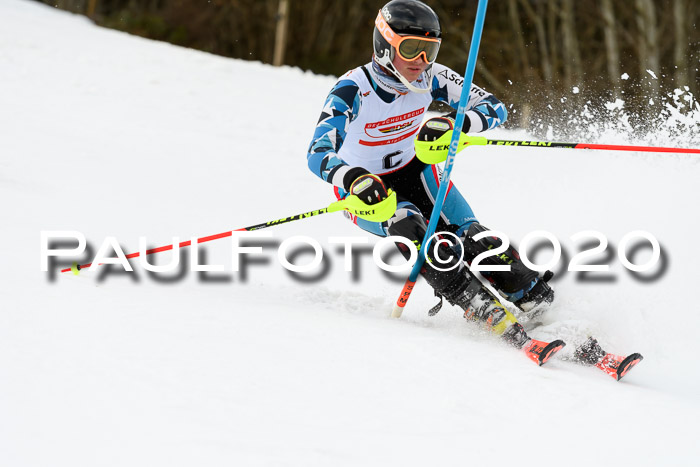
(114, 135)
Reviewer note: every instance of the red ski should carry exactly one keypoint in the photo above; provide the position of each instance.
(537, 351)
(590, 353)
(540, 352)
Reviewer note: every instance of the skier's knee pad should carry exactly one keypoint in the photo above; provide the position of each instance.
(412, 227)
(517, 281)
(444, 271)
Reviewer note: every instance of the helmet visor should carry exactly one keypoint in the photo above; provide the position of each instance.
(411, 48)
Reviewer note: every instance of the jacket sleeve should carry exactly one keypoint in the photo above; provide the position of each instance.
(484, 110)
(340, 109)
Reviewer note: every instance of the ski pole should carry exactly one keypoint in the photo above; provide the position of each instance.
(432, 151)
(445, 178)
(376, 213)
(603, 147)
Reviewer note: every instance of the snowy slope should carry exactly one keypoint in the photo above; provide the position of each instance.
(114, 135)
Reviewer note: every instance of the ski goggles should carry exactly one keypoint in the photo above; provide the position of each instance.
(408, 47)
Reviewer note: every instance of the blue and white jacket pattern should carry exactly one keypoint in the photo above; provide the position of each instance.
(367, 123)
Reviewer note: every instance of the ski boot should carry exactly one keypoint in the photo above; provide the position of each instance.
(537, 300)
(591, 353)
(486, 309)
(521, 286)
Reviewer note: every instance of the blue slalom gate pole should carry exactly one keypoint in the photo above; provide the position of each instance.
(449, 163)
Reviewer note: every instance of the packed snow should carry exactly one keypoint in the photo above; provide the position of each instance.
(113, 135)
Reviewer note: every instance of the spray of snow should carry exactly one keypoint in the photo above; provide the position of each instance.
(676, 123)
(617, 105)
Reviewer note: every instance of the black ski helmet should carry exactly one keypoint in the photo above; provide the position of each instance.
(406, 18)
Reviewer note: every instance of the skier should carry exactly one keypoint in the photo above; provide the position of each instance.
(364, 145)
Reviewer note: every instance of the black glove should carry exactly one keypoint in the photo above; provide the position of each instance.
(366, 186)
(435, 127)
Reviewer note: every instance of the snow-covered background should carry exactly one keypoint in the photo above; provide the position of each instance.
(114, 135)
